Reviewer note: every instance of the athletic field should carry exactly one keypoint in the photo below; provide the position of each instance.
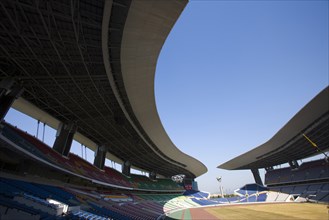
(256, 211)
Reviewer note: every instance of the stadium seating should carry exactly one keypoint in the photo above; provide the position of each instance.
(39, 204)
(288, 189)
(221, 200)
(80, 214)
(196, 194)
(25, 199)
(299, 189)
(116, 177)
(78, 165)
(59, 194)
(160, 198)
(15, 135)
(11, 209)
(234, 199)
(25, 187)
(204, 202)
(306, 182)
(108, 212)
(169, 184)
(262, 197)
(310, 191)
(7, 189)
(308, 171)
(250, 189)
(17, 187)
(143, 182)
(139, 206)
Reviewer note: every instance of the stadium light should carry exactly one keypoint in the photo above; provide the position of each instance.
(178, 178)
(219, 179)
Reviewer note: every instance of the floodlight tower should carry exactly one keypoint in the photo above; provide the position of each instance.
(219, 179)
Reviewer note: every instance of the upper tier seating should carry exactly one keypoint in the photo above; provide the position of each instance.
(313, 170)
(79, 166)
(143, 182)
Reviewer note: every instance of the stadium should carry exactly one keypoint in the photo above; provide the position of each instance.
(86, 69)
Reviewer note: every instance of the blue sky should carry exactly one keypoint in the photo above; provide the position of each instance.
(229, 76)
(232, 73)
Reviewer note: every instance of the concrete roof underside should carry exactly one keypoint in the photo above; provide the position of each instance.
(93, 63)
(289, 143)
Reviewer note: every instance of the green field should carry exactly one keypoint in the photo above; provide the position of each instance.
(257, 211)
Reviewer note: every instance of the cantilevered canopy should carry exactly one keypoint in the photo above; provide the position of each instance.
(93, 63)
(289, 143)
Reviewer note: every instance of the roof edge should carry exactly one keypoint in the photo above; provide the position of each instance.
(146, 29)
(314, 109)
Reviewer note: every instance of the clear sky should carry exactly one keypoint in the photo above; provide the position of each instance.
(229, 76)
(232, 73)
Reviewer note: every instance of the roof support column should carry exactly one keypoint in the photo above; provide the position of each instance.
(99, 160)
(64, 138)
(152, 175)
(293, 164)
(126, 168)
(257, 178)
(9, 91)
(269, 168)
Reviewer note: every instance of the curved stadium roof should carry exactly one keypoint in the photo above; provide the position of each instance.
(289, 143)
(93, 63)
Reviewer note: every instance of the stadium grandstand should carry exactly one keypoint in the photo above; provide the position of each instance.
(86, 69)
(306, 135)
